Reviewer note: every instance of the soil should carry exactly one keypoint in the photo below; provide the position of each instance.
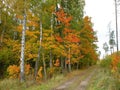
(79, 81)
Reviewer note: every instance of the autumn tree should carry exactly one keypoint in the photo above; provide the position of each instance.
(105, 47)
(50, 35)
(88, 42)
(112, 41)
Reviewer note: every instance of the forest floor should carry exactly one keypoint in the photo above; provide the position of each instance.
(92, 78)
(79, 81)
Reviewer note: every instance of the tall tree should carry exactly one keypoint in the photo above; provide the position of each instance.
(22, 58)
(116, 23)
(112, 41)
(105, 47)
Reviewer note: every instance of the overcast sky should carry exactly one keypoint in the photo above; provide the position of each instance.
(102, 13)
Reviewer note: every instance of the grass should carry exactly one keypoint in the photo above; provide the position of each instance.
(10, 84)
(49, 84)
(55, 81)
(103, 80)
(14, 84)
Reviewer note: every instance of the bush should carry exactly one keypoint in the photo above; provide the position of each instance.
(14, 71)
(106, 62)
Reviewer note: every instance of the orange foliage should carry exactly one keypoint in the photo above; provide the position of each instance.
(13, 71)
(63, 17)
(67, 61)
(57, 63)
(39, 75)
(19, 28)
(115, 61)
(58, 38)
(72, 38)
(27, 69)
(40, 72)
(66, 31)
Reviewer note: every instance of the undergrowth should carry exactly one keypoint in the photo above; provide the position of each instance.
(104, 80)
(14, 84)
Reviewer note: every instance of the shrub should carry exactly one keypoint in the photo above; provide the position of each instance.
(106, 62)
(14, 71)
(39, 74)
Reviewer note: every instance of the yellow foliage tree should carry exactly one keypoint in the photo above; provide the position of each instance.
(14, 71)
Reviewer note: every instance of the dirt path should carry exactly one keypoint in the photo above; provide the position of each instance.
(84, 83)
(78, 82)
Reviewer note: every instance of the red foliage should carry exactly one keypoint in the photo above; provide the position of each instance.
(58, 38)
(57, 63)
(63, 17)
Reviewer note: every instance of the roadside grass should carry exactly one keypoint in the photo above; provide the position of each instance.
(103, 80)
(14, 84)
(11, 84)
(48, 85)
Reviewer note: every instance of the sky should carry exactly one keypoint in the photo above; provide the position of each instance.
(102, 13)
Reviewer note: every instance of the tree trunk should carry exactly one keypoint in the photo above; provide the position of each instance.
(61, 64)
(116, 22)
(2, 36)
(37, 60)
(22, 76)
(77, 65)
(69, 65)
(51, 37)
(15, 35)
(51, 59)
(44, 66)
(65, 64)
(3, 31)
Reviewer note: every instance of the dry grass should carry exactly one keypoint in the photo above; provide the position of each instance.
(103, 80)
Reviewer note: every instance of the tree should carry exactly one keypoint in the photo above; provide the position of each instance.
(116, 21)
(88, 41)
(112, 41)
(22, 76)
(105, 47)
(75, 8)
(54, 36)
(23, 12)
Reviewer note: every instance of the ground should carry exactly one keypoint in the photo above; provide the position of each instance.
(79, 81)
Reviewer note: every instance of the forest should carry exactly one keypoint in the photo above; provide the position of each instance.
(43, 38)
(45, 34)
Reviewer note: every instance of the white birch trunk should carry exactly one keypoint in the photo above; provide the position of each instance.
(51, 37)
(22, 76)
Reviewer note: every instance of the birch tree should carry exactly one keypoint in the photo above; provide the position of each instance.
(22, 58)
